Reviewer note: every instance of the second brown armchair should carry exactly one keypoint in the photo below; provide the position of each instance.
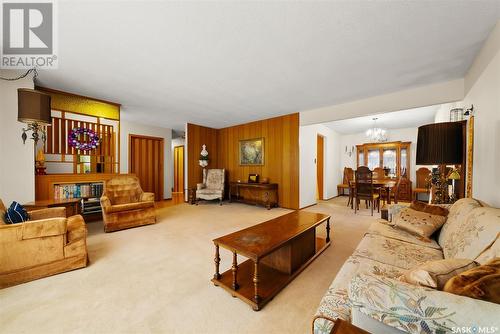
(125, 205)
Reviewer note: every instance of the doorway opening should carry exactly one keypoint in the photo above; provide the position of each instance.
(320, 161)
(179, 169)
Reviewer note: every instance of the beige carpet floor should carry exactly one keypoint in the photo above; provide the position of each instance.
(156, 279)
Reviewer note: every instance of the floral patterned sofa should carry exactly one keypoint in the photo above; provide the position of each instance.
(367, 293)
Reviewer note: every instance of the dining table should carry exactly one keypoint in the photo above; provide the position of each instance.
(387, 184)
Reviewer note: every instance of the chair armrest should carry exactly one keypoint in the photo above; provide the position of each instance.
(57, 212)
(147, 197)
(105, 203)
(200, 186)
(416, 309)
(76, 228)
(43, 228)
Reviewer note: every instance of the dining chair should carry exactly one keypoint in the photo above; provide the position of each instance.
(422, 186)
(347, 177)
(378, 173)
(365, 190)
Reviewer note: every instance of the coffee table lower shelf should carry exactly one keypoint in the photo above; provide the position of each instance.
(271, 281)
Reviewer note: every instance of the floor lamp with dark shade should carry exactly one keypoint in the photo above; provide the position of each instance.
(440, 144)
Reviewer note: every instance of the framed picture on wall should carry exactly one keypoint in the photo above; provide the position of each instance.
(252, 152)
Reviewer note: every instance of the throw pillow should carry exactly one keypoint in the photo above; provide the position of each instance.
(16, 214)
(432, 209)
(481, 282)
(435, 274)
(417, 222)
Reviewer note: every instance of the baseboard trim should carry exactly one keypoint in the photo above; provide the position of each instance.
(308, 206)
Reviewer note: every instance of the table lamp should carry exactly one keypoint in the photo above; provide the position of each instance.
(453, 176)
(440, 144)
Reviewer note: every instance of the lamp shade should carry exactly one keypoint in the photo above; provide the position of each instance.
(33, 106)
(440, 144)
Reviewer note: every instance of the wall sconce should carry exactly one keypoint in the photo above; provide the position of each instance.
(349, 152)
(33, 108)
(470, 111)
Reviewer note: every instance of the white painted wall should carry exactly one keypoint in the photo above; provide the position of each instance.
(429, 95)
(17, 175)
(443, 113)
(127, 128)
(307, 146)
(484, 94)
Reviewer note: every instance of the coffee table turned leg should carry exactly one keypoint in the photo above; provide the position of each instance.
(328, 230)
(256, 297)
(234, 268)
(217, 262)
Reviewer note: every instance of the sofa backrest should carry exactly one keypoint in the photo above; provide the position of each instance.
(123, 189)
(470, 230)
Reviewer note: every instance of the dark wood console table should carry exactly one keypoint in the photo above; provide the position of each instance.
(277, 251)
(258, 193)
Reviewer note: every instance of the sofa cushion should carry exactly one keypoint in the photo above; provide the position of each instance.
(432, 209)
(394, 252)
(458, 212)
(335, 303)
(481, 282)
(418, 222)
(16, 214)
(490, 253)
(435, 274)
(129, 207)
(472, 235)
(383, 227)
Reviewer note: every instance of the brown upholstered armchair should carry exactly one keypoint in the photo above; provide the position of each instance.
(125, 205)
(47, 244)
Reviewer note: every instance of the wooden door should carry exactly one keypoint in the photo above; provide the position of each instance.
(178, 169)
(319, 166)
(146, 162)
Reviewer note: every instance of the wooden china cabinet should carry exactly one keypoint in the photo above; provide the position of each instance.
(394, 157)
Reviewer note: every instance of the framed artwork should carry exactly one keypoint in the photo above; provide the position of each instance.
(252, 152)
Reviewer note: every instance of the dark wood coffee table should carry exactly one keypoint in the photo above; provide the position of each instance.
(277, 251)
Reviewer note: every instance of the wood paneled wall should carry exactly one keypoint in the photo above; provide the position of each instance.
(281, 153)
(195, 137)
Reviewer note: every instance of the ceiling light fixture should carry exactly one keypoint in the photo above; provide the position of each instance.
(375, 134)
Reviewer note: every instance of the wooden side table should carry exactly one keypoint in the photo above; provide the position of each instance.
(344, 327)
(192, 196)
(72, 205)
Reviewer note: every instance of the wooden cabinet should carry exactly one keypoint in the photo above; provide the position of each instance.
(392, 156)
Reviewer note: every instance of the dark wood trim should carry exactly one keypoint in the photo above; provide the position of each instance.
(162, 157)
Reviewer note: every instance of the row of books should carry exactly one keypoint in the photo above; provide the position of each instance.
(78, 190)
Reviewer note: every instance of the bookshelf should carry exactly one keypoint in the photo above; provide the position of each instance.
(87, 187)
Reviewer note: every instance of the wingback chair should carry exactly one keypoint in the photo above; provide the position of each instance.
(125, 205)
(47, 244)
(212, 186)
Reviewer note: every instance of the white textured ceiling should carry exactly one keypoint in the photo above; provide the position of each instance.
(409, 118)
(224, 63)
